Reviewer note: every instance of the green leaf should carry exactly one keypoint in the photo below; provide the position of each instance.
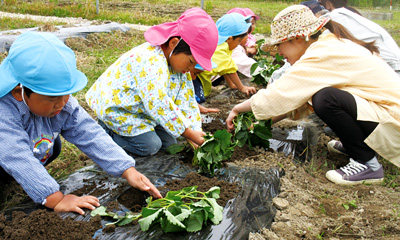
(172, 195)
(195, 221)
(213, 192)
(262, 132)
(175, 148)
(253, 67)
(146, 222)
(101, 211)
(171, 223)
(129, 217)
(217, 210)
(185, 213)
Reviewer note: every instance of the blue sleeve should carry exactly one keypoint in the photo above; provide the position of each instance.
(83, 131)
(17, 159)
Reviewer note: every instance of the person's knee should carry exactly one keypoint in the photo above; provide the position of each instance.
(142, 147)
(320, 100)
(152, 147)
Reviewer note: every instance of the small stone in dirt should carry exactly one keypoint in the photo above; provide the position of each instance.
(280, 203)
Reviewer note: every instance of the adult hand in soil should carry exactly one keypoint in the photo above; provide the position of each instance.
(208, 110)
(241, 107)
(71, 203)
(140, 181)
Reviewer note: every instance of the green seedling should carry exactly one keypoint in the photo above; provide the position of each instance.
(350, 204)
(213, 151)
(247, 130)
(266, 65)
(184, 210)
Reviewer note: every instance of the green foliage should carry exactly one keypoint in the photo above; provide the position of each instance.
(247, 130)
(185, 210)
(350, 204)
(176, 148)
(262, 70)
(215, 149)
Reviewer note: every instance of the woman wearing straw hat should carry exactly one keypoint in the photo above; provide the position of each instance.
(344, 81)
(145, 100)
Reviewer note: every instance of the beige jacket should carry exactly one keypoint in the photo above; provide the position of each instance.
(345, 65)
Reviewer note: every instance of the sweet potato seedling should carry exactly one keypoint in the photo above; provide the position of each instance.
(184, 210)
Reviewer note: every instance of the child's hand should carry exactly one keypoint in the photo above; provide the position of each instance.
(73, 203)
(195, 136)
(251, 51)
(140, 181)
(208, 110)
(248, 90)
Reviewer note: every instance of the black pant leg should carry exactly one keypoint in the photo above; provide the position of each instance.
(338, 109)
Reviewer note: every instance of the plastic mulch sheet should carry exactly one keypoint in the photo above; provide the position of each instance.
(250, 211)
(7, 37)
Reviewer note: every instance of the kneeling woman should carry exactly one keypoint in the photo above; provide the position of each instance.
(344, 81)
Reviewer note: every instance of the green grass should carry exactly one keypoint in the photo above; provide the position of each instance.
(18, 23)
(151, 12)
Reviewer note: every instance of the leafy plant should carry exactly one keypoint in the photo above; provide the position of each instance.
(262, 70)
(349, 204)
(247, 130)
(213, 151)
(184, 210)
(177, 148)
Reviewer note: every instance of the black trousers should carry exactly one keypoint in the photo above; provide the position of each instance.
(338, 109)
(5, 177)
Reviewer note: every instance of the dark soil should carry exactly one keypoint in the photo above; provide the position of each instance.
(46, 224)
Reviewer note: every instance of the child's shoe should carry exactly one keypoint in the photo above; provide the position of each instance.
(355, 173)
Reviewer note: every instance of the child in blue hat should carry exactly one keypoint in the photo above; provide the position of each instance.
(37, 78)
(232, 29)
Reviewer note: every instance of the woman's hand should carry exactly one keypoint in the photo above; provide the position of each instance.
(141, 182)
(73, 203)
(229, 120)
(241, 107)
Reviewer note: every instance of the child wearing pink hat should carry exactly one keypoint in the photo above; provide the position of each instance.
(242, 54)
(145, 100)
(250, 45)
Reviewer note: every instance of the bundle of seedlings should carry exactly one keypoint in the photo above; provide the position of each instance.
(252, 132)
(184, 210)
(261, 71)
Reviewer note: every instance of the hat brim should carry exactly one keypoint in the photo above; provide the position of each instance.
(222, 39)
(202, 61)
(317, 26)
(80, 83)
(8, 80)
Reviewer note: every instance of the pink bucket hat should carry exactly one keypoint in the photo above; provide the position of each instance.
(196, 28)
(246, 12)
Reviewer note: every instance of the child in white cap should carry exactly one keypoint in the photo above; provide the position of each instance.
(37, 78)
(342, 79)
(145, 100)
(232, 29)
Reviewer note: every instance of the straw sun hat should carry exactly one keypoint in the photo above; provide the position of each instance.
(292, 22)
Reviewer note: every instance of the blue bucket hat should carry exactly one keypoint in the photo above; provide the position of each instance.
(232, 24)
(44, 64)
